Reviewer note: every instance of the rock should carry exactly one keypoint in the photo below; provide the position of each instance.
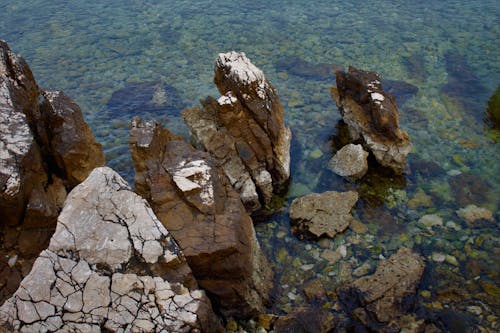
(472, 213)
(382, 296)
(372, 116)
(431, 220)
(195, 201)
(469, 189)
(110, 265)
(300, 67)
(306, 320)
(45, 150)
(493, 109)
(266, 321)
(326, 214)
(137, 98)
(244, 130)
(351, 161)
(314, 291)
(67, 138)
(420, 199)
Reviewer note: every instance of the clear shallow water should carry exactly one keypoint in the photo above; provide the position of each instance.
(93, 49)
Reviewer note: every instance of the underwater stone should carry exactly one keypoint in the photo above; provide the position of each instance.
(351, 162)
(473, 213)
(493, 110)
(372, 116)
(326, 214)
(244, 130)
(431, 220)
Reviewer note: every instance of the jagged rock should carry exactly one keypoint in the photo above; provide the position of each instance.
(326, 214)
(45, 150)
(110, 265)
(195, 201)
(67, 138)
(351, 161)
(382, 296)
(244, 130)
(372, 116)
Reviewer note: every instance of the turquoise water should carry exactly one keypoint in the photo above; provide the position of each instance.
(449, 50)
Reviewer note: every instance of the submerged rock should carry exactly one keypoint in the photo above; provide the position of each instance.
(372, 116)
(110, 265)
(193, 198)
(382, 296)
(469, 189)
(306, 320)
(244, 130)
(351, 161)
(472, 213)
(138, 98)
(493, 110)
(326, 214)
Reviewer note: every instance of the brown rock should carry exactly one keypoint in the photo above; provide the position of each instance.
(68, 138)
(33, 142)
(244, 130)
(194, 200)
(381, 294)
(372, 116)
(306, 320)
(326, 214)
(314, 290)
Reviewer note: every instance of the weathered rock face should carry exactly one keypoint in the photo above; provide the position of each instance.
(319, 215)
(194, 200)
(67, 138)
(351, 161)
(372, 116)
(45, 150)
(110, 265)
(380, 296)
(244, 131)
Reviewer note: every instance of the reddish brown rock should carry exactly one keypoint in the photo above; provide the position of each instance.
(380, 296)
(194, 200)
(68, 139)
(372, 116)
(244, 130)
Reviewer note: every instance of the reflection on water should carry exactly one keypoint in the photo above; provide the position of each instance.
(118, 58)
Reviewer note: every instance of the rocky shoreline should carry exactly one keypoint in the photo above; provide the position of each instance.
(181, 254)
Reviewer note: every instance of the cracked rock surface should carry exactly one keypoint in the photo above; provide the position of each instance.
(372, 116)
(382, 297)
(45, 150)
(351, 161)
(193, 198)
(110, 265)
(243, 130)
(322, 214)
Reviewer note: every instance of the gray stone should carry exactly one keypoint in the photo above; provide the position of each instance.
(73, 287)
(350, 161)
(326, 214)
